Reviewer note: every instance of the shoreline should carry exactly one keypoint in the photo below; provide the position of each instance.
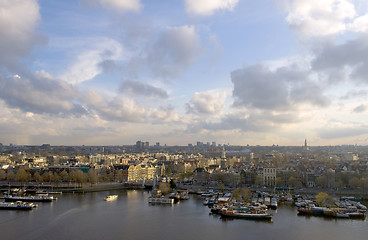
(98, 187)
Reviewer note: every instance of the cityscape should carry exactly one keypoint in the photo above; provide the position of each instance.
(185, 119)
(337, 168)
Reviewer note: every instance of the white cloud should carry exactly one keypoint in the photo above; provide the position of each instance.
(120, 6)
(18, 20)
(322, 18)
(118, 108)
(166, 115)
(210, 102)
(89, 63)
(209, 7)
(360, 24)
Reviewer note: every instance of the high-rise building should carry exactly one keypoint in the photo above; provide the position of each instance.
(223, 159)
(139, 145)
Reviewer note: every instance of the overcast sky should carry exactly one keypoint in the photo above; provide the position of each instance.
(111, 72)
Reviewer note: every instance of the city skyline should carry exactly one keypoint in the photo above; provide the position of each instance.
(111, 72)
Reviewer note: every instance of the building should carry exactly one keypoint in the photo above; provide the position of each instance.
(223, 159)
(268, 175)
(140, 172)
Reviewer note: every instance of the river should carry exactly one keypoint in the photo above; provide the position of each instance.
(88, 216)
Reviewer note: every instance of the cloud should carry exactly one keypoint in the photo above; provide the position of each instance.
(249, 121)
(39, 94)
(258, 86)
(350, 56)
(119, 6)
(164, 114)
(210, 102)
(99, 57)
(117, 108)
(331, 132)
(142, 89)
(174, 51)
(359, 109)
(315, 18)
(209, 7)
(354, 94)
(18, 21)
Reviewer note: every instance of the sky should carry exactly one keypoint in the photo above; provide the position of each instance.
(112, 72)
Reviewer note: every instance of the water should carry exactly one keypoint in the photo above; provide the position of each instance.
(88, 216)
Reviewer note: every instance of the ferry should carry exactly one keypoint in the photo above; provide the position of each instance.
(111, 198)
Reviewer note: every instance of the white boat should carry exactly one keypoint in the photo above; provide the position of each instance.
(111, 197)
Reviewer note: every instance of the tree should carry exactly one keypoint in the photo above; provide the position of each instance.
(292, 181)
(22, 175)
(259, 180)
(46, 176)
(119, 175)
(37, 177)
(10, 176)
(2, 175)
(164, 188)
(219, 177)
(92, 176)
(172, 184)
(342, 179)
(321, 181)
(56, 178)
(321, 198)
(242, 193)
(64, 175)
(78, 176)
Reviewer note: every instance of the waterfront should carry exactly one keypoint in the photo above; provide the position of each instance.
(88, 216)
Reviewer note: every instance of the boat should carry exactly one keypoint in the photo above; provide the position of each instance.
(216, 209)
(273, 203)
(16, 206)
(111, 198)
(332, 212)
(156, 197)
(267, 201)
(39, 198)
(160, 200)
(246, 214)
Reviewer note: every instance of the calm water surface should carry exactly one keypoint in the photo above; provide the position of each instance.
(88, 216)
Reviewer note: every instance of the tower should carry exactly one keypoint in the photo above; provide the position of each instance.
(223, 158)
(305, 148)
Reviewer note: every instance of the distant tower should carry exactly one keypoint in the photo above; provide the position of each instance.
(306, 148)
(223, 158)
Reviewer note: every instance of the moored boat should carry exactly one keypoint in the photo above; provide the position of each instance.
(273, 203)
(39, 198)
(246, 214)
(160, 200)
(16, 206)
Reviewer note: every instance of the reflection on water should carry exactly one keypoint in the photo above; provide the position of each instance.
(88, 216)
